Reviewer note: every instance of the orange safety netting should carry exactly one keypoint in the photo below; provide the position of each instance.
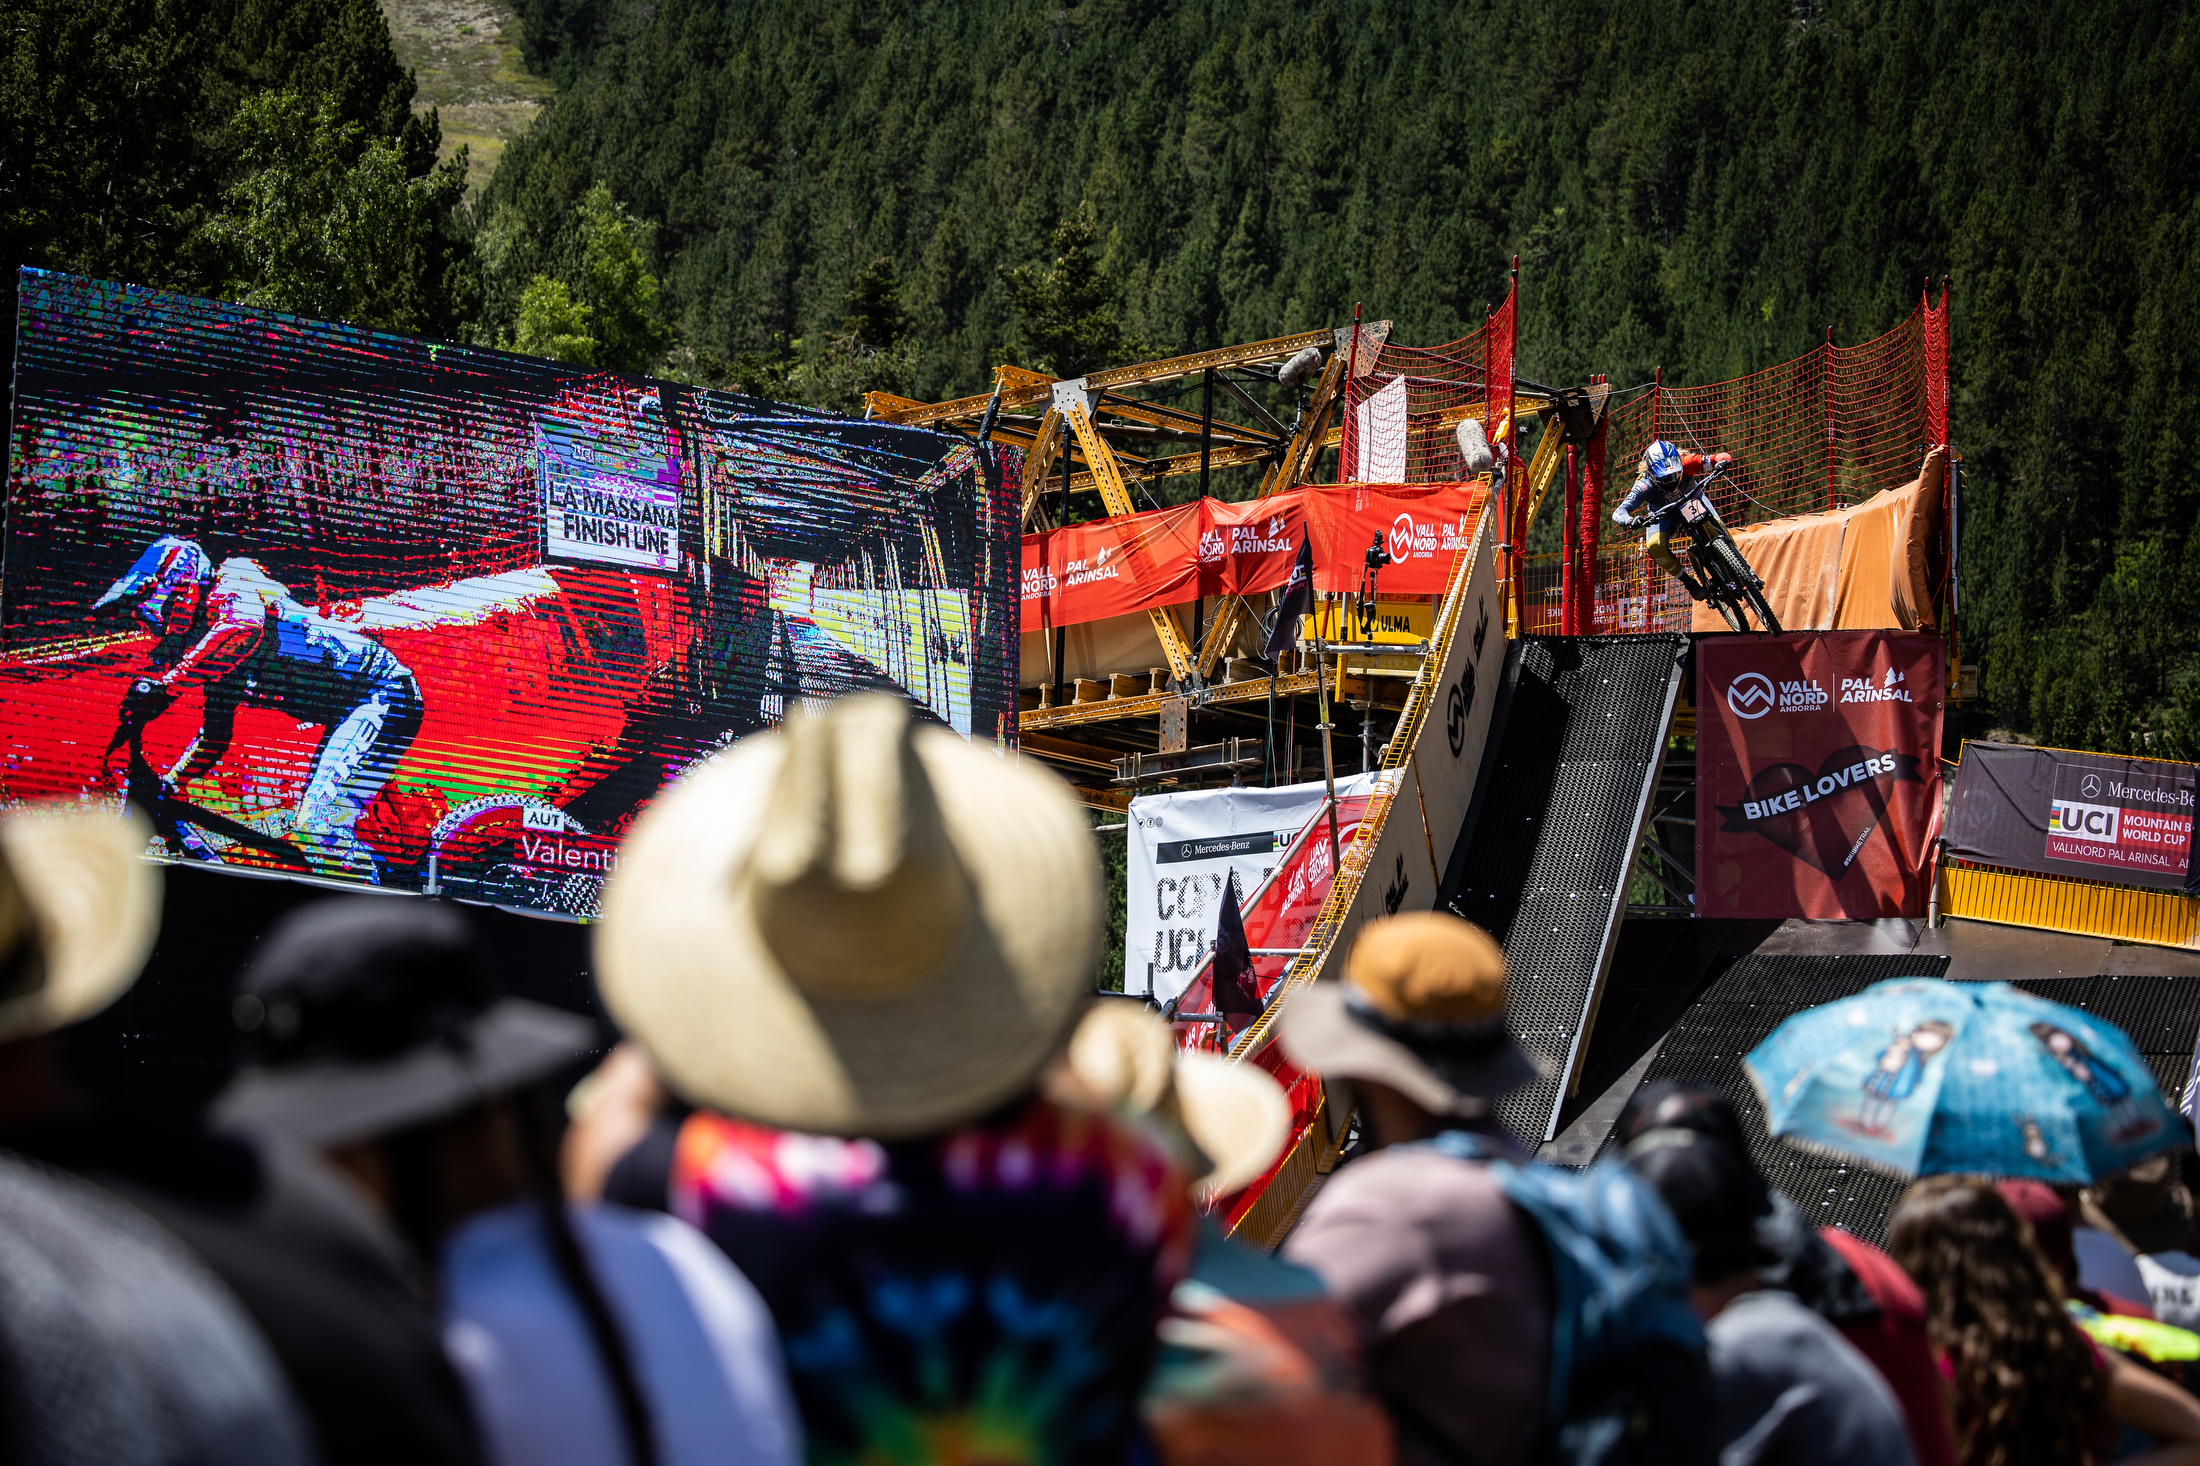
(1826, 430)
(1632, 595)
(1403, 404)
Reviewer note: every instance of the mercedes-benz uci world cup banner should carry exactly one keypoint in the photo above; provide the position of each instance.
(334, 602)
(2090, 816)
(1183, 849)
(1818, 774)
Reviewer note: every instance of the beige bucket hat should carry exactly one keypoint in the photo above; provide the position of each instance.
(1421, 1009)
(79, 908)
(1123, 1058)
(853, 925)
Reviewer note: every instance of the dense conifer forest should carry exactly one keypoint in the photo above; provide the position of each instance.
(815, 199)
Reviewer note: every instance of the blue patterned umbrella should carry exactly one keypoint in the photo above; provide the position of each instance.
(1919, 1076)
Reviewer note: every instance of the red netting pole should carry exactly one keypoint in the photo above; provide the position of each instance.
(1501, 486)
(1348, 467)
(1592, 524)
(1657, 393)
(1519, 519)
(1936, 367)
(1825, 393)
(1568, 550)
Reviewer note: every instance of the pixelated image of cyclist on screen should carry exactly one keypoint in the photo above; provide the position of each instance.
(238, 635)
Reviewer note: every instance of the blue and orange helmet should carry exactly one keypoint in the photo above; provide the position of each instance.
(165, 585)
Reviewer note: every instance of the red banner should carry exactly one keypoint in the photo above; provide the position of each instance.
(1817, 774)
(1279, 914)
(1249, 547)
(1110, 567)
(1422, 531)
(1163, 557)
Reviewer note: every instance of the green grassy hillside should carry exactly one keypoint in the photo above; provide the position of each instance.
(465, 57)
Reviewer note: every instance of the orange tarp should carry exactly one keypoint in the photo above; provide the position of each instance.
(1864, 568)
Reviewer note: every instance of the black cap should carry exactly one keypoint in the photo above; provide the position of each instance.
(1671, 1105)
(1712, 1191)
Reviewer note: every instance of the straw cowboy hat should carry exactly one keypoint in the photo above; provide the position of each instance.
(1421, 1009)
(79, 907)
(1123, 1058)
(853, 925)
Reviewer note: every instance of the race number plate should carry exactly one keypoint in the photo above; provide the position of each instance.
(1695, 508)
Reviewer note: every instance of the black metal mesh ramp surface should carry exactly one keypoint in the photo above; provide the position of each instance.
(1558, 811)
(2161, 1015)
(1743, 1005)
(1737, 1012)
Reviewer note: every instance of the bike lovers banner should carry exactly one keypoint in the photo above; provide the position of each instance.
(1164, 557)
(2085, 815)
(1818, 774)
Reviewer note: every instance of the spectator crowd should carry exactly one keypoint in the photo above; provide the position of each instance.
(871, 1177)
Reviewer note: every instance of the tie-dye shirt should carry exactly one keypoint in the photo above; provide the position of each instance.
(984, 1297)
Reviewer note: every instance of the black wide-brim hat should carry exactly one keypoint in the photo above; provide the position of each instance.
(369, 1015)
(336, 1101)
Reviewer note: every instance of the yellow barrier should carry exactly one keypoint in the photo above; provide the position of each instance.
(2083, 908)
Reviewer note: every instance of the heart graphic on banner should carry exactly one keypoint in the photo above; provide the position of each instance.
(1822, 818)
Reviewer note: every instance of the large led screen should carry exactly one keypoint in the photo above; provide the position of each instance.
(344, 604)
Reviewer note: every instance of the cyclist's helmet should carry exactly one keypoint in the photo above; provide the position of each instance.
(165, 586)
(1661, 461)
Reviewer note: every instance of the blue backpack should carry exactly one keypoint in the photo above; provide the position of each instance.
(1630, 1384)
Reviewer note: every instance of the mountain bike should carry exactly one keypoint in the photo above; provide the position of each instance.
(1721, 568)
(180, 824)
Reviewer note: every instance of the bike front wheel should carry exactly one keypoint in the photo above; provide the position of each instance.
(1746, 586)
(1717, 579)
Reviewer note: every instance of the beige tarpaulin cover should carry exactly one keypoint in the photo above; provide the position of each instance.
(1119, 644)
(1865, 568)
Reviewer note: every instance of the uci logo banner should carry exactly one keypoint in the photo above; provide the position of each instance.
(2134, 820)
(2082, 821)
(2094, 816)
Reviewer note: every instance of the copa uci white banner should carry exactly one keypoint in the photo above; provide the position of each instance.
(1182, 849)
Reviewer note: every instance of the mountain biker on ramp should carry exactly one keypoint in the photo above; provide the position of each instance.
(239, 634)
(1666, 478)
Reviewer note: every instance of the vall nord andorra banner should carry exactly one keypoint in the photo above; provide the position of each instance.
(1818, 774)
(1164, 557)
(2088, 815)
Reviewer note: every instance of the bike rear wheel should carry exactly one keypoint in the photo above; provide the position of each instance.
(1770, 622)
